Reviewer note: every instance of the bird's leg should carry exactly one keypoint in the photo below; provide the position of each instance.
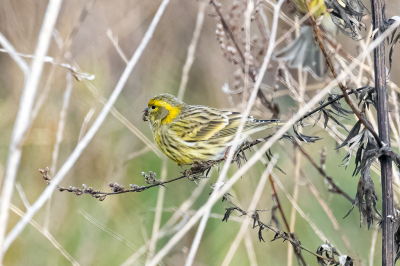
(198, 169)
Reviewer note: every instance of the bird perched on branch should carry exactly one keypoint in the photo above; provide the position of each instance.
(196, 133)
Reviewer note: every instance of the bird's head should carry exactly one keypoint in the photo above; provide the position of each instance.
(162, 109)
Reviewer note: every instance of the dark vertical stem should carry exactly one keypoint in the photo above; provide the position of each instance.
(384, 134)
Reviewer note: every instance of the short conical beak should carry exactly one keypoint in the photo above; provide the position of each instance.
(145, 114)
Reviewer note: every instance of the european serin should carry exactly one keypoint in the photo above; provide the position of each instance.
(196, 133)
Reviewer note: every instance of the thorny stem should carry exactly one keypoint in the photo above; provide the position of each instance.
(280, 234)
(384, 133)
(341, 86)
(337, 98)
(384, 129)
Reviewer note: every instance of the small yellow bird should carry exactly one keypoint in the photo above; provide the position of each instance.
(196, 133)
(302, 8)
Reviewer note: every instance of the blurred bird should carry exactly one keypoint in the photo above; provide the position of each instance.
(322, 13)
(304, 51)
(196, 133)
(302, 8)
(332, 15)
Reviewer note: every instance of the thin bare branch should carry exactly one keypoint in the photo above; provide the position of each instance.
(372, 249)
(46, 234)
(169, 227)
(104, 228)
(252, 206)
(85, 123)
(23, 117)
(61, 123)
(250, 248)
(158, 211)
(22, 195)
(82, 144)
(192, 49)
(114, 41)
(125, 121)
(197, 238)
(14, 55)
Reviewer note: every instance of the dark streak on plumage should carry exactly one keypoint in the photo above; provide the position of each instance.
(200, 133)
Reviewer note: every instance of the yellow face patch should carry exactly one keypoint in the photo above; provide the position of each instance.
(173, 111)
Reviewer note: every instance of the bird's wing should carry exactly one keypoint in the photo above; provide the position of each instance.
(199, 123)
(251, 125)
(230, 129)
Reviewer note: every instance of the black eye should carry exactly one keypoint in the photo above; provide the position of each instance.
(153, 107)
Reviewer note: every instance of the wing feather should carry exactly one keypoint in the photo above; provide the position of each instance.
(251, 124)
(202, 123)
(205, 122)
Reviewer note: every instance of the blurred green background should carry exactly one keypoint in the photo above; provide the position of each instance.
(105, 160)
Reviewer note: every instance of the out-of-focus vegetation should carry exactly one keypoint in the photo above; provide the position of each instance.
(122, 224)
